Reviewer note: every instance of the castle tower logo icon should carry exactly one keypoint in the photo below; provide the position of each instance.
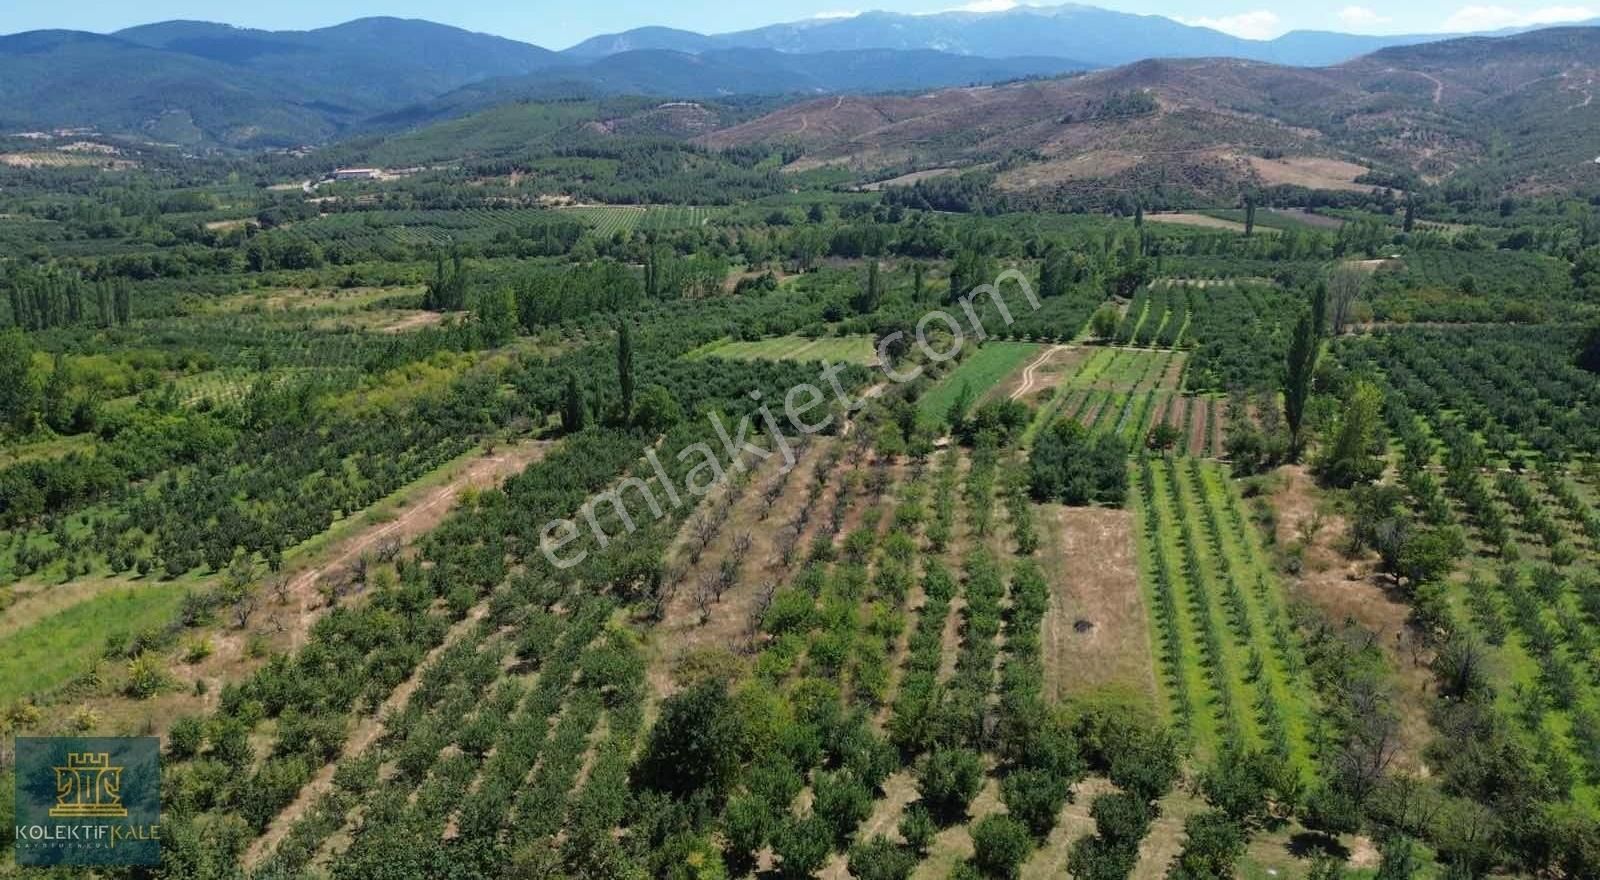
(88, 787)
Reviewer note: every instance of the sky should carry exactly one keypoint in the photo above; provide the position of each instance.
(557, 24)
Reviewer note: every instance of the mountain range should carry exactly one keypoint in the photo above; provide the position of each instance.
(205, 85)
(1512, 113)
(1100, 37)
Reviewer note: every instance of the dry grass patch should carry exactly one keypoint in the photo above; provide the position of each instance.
(1352, 590)
(1092, 165)
(1096, 632)
(1202, 220)
(1311, 172)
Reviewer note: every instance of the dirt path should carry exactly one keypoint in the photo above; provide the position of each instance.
(1165, 839)
(415, 520)
(415, 321)
(1588, 97)
(1049, 861)
(866, 395)
(1438, 85)
(1030, 372)
(1198, 407)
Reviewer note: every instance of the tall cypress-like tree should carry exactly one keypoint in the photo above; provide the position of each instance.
(124, 307)
(1319, 309)
(1297, 379)
(866, 302)
(572, 407)
(1250, 214)
(625, 370)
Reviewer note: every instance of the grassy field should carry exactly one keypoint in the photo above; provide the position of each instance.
(63, 646)
(982, 370)
(1229, 669)
(834, 349)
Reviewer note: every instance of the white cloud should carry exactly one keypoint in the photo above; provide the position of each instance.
(841, 13)
(1489, 18)
(1260, 24)
(1362, 16)
(984, 6)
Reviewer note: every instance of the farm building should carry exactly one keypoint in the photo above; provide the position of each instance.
(355, 173)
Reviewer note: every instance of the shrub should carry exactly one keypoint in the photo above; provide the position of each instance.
(146, 677)
(880, 859)
(842, 801)
(916, 826)
(1000, 844)
(1212, 843)
(1095, 858)
(1034, 797)
(198, 651)
(747, 822)
(1121, 818)
(185, 737)
(801, 846)
(949, 779)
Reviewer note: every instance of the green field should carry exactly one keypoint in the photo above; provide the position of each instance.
(1230, 670)
(981, 371)
(64, 646)
(833, 349)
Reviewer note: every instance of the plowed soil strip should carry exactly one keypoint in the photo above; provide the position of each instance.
(1198, 408)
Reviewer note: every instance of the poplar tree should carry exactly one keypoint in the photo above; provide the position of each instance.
(625, 369)
(1297, 379)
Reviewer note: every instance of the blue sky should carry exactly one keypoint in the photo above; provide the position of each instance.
(560, 24)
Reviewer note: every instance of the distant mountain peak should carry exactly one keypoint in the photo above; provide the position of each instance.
(1084, 32)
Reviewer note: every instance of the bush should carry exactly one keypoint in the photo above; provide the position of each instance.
(146, 677)
(1034, 797)
(747, 822)
(185, 737)
(949, 779)
(802, 847)
(1096, 858)
(1000, 844)
(916, 826)
(880, 859)
(842, 801)
(1121, 818)
(1212, 844)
